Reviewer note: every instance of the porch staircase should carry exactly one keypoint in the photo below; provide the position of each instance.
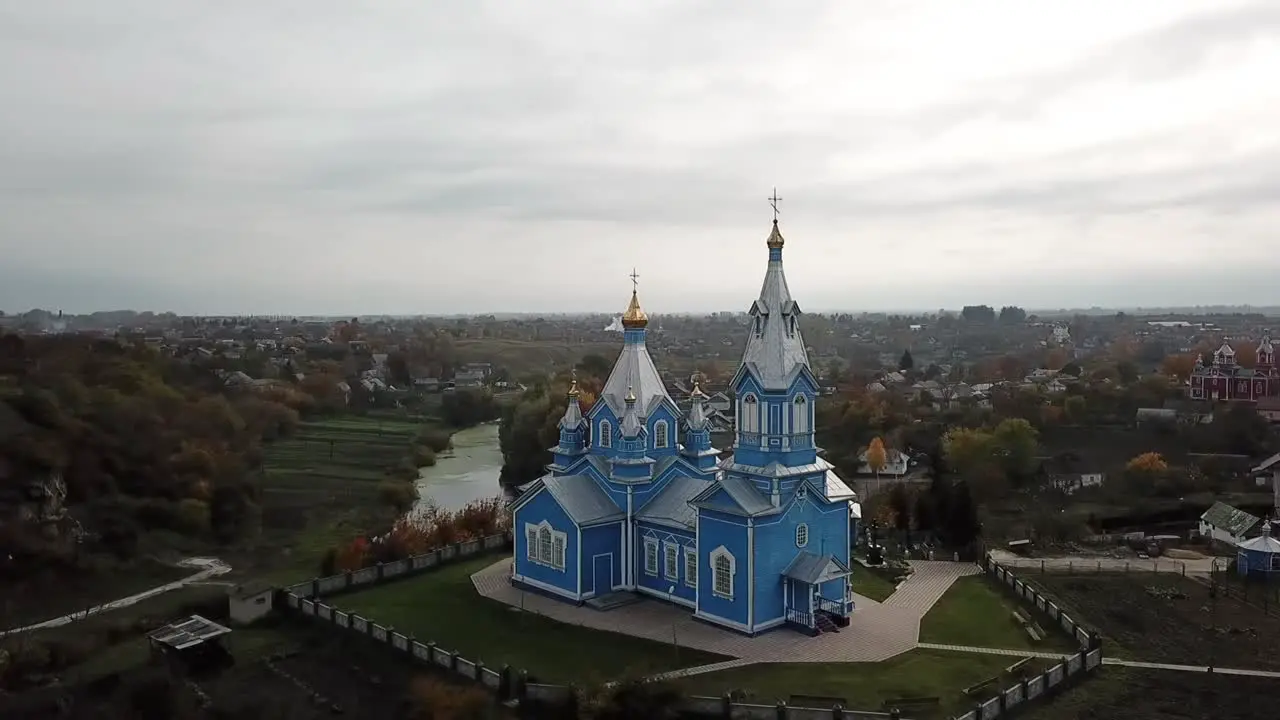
(825, 622)
(612, 600)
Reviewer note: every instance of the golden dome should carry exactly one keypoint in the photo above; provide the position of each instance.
(634, 318)
(775, 238)
(631, 395)
(573, 385)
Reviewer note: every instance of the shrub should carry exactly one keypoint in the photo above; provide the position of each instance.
(437, 700)
(438, 440)
(423, 456)
(193, 516)
(398, 494)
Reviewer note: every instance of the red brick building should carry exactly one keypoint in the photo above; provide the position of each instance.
(1225, 380)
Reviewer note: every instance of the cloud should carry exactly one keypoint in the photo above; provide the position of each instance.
(454, 156)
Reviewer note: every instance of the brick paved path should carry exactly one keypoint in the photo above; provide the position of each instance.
(877, 631)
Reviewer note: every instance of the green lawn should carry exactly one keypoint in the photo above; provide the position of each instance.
(861, 686)
(974, 612)
(443, 607)
(871, 584)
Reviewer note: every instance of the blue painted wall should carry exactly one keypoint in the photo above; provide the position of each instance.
(776, 547)
(665, 536)
(601, 540)
(773, 405)
(716, 530)
(543, 506)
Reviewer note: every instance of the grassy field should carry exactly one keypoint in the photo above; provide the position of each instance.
(974, 612)
(871, 584)
(44, 598)
(862, 686)
(320, 488)
(1135, 694)
(444, 607)
(1168, 618)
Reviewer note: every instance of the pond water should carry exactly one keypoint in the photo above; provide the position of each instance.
(468, 473)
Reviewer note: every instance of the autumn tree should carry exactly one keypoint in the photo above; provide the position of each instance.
(877, 456)
(1148, 463)
(1179, 365)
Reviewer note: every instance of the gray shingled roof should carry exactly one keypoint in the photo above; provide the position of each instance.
(582, 499)
(1224, 517)
(775, 350)
(671, 505)
(634, 372)
(836, 488)
(809, 568)
(742, 492)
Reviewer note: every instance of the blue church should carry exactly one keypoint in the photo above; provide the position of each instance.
(637, 501)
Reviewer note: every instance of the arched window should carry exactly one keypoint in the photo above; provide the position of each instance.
(749, 415)
(544, 545)
(802, 535)
(660, 434)
(606, 434)
(722, 571)
(800, 415)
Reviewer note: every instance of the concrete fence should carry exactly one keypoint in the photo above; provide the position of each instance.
(1045, 608)
(1057, 677)
(408, 567)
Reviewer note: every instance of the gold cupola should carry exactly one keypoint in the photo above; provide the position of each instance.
(775, 240)
(634, 318)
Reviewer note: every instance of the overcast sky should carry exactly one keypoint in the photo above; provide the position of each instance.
(330, 156)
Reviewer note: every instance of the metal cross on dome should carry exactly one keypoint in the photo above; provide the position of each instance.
(635, 279)
(773, 202)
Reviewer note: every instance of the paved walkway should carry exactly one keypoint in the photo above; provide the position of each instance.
(211, 567)
(877, 631)
(1087, 564)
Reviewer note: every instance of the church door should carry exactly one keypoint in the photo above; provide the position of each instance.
(602, 566)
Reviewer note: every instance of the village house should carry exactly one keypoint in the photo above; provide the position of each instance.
(1223, 523)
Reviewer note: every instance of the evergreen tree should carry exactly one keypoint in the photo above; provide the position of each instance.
(907, 362)
(900, 503)
(962, 516)
(924, 512)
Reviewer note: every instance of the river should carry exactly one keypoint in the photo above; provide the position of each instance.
(467, 473)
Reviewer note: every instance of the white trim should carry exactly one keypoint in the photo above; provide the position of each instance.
(691, 563)
(802, 535)
(676, 599)
(800, 409)
(720, 621)
(548, 559)
(579, 549)
(670, 561)
(661, 435)
(751, 575)
(651, 544)
(718, 553)
(545, 586)
(749, 422)
(697, 591)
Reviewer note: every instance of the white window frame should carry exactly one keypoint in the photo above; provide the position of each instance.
(671, 561)
(606, 434)
(802, 535)
(651, 556)
(749, 411)
(556, 547)
(726, 574)
(661, 435)
(800, 412)
(691, 567)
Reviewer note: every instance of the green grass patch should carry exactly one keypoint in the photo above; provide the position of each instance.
(443, 607)
(45, 598)
(862, 686)
(974, 612)
(871, 584)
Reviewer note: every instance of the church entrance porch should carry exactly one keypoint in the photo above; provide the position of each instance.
(815, 594)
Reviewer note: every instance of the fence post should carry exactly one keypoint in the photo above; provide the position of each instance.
(1042, 567)
(348, 576)
(726, 707)
(895, 714)
(837, 712)
(781, 710)
(504, 679)
(315, 587)
(522, 689)
(379, 571)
